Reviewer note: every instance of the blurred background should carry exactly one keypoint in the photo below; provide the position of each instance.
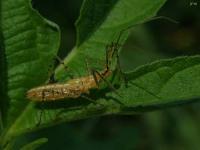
(175, 128)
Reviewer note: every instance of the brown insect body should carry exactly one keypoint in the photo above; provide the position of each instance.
(72, 89)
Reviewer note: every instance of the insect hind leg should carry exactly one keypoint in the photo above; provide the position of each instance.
(41, 114)
(89, 99)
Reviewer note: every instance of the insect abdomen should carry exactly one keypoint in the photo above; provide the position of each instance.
(52, 92)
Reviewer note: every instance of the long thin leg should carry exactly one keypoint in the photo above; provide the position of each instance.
(110, 52)
(40, 115)
(42, 109)
(87, 66)
(94, 72)
(95, 77)
(111, 86)
(90, 71)
(40, 118)
(115, 47)
(52, 73)
(52, 78)
(120, 70)
(107, 82)
(89, 99)
(61, 62)
(108, 49)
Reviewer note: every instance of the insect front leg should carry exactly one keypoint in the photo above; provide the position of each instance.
(110, 85)
(92, 71)
(122, 74)
(95, 77)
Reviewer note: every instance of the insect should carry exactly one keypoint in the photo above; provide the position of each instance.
(74, 88)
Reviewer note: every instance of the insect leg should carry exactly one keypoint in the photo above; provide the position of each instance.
(52, 78)
(110, 85)
(108, 48)
(107, 82)
(115, 51)
(89, 99)
(120, 70)
(42, 109)
(87, 66)
(40, 119)
(90, 71)
(40, 115)
(61, 62)
(57, 60)
(51, 74)
(95, 77)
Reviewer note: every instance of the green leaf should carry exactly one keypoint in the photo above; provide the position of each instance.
(31, 44)
(35, 144)
(28, 45)
(163, 83)
(99, 24)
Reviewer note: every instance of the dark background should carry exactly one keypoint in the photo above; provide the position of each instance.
(175, 128)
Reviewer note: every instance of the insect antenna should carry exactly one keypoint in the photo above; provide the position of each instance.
(148, 20)
(114, 47)
(116, 44)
